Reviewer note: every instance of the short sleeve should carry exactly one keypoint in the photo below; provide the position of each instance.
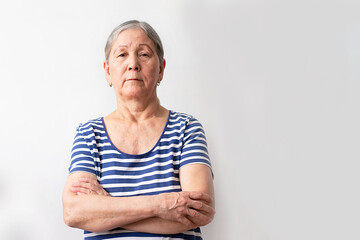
(82, 158)
(194, 149)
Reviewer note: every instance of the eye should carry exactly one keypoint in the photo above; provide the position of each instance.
(144, 54)
(121, 55)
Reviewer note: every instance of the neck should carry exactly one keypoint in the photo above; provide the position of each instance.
(134, 110)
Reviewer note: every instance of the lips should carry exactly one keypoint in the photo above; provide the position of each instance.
(133, 79)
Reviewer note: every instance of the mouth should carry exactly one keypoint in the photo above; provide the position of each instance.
(132, 79)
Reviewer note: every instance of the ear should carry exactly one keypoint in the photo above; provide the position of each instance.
(162, 68)
(107, 72)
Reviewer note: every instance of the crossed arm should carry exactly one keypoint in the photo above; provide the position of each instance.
(87, 206)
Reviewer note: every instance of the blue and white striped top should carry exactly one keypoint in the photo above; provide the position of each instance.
(157, 171)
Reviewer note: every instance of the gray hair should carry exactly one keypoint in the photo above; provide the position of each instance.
(150, 32)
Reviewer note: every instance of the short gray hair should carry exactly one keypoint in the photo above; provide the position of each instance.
(150, 32)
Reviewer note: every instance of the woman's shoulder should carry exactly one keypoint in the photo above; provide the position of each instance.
(90, 124)
(181, 117)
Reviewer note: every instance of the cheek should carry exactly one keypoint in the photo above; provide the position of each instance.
(150, 72)
(117, 70)
(153, 71)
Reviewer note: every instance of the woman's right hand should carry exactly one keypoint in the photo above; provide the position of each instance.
(192, 209)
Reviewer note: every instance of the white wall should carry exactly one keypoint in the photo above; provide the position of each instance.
(275, 83)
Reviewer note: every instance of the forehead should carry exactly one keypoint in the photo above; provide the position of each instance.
(133, 37)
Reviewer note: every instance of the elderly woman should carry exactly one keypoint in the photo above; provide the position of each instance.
(142, 171)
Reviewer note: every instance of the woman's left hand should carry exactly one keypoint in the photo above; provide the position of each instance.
(88, 186)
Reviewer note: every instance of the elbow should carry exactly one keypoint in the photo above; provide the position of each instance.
(75, 218)
(69, 221)
(71, 213)
(207, 222)
(211, 219)
(70, 218)
(209, 216)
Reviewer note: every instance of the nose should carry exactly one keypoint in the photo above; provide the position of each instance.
(133, 64)
(136, 68)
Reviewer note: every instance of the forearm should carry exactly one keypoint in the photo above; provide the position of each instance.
(157, 226)
(101, 213)
(87, 206)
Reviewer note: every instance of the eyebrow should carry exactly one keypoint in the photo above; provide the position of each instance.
(140, 45)
(145, 44)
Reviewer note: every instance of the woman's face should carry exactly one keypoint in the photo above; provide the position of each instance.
(133, 67)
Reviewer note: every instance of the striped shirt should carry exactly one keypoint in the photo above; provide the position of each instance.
(182, 142)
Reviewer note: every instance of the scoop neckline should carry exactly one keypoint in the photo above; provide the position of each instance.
(141, 154)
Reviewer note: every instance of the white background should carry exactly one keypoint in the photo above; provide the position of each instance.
(275, 83)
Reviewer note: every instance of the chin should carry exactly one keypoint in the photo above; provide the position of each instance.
(134, 94)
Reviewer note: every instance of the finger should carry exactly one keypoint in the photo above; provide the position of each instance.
(103, 192)
(81, 184)
(83, 179)
(187, 222)
(88, 186)
(79, 189)
(199, 218)
(76, 184)
(74, 189)
(91, 184)
(193, 213)
(202, 207)
(106, 193)
(87, 180)
(200, 196)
